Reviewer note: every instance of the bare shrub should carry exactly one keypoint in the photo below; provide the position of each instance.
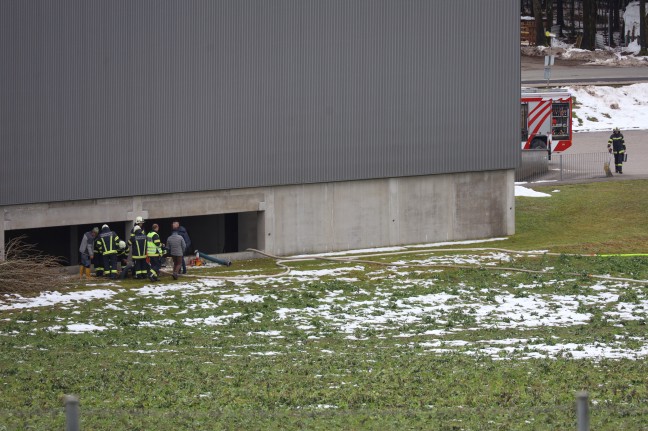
(27, 270)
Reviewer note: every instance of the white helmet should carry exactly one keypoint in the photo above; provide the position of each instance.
(104, 227)
(139, 220)
(136, 228)
(122, 244)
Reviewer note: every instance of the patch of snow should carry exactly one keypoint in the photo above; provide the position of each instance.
(48, 299)
(524, 191)
(77, 328)
(601, 108)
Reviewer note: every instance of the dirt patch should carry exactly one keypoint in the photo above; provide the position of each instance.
(578, 57)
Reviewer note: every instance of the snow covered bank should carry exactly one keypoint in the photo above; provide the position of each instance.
(601, 108)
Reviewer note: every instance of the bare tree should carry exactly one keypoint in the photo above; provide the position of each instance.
(589, 24)
(549, 14)
(540, 31)
(26, 270)
(560, 16)
(643, 30)
(572, 17)
(616, 16)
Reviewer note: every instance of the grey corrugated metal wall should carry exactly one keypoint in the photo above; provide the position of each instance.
(102, 98)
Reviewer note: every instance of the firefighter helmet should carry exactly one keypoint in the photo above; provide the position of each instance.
(139, 220)
(122, 244)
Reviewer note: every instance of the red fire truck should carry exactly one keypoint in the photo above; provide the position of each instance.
(546, 119)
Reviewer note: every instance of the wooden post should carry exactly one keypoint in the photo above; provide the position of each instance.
(71, 413)
(582, 411)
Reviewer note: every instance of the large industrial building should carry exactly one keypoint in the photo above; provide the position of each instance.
(292, 126)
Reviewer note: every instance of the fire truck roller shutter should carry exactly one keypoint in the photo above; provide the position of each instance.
(538, 144)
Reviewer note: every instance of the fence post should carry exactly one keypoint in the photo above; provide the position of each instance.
(582, 411)
(71, 413)
(561, 167)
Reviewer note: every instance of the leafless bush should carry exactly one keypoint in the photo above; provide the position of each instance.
(27, 270)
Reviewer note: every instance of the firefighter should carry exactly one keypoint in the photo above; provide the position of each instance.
(616, 146)
(138, 243)
(154, 252)
(108, 241)
(97, 260)
(138, 223)
(122, 257)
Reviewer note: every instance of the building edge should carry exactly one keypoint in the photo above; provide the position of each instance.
(309, 218)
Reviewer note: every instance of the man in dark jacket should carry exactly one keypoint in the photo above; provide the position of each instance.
(176, 246)
(87, 251)
(183, 233)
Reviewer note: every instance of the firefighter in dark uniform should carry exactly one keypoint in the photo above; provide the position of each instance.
(138, 223)
(122, 257)
(138, 242)
(616, 146)
(97, 260)
(108, 245)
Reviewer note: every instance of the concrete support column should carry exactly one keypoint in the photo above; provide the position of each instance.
(260, 231)
(127, 230)
(510, 202)
(247, 230)
(2, 242)
(266, 229)
(74, 245)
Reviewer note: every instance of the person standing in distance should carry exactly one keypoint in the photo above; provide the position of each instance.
(183, 233)
(139, 246)
(616, 146)
(87, 251)
(176, 246)
(108, 245)
(154, 252)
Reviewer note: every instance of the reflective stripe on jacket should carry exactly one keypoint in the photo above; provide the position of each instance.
(107, 242)
(154, 247)
(617, 143)
(139, 244)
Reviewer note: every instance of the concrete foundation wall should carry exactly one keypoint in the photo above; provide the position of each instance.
(312, 218)
(375, 213)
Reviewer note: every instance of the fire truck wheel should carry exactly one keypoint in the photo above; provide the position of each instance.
(538, 144)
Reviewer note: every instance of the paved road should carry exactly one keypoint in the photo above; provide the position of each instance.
(573, 72)
(596, 142)
(636, 145)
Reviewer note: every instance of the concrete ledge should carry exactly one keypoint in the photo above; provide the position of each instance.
(313, 218)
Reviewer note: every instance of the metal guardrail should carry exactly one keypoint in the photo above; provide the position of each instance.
(537, 165)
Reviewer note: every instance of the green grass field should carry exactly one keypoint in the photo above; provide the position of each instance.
(419, 339)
